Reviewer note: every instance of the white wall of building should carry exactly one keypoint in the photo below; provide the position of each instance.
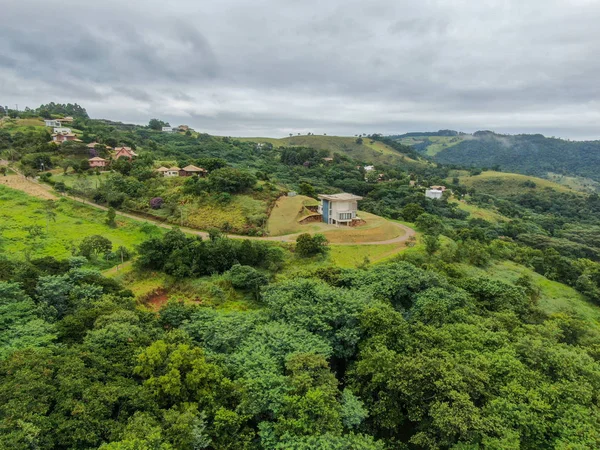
(435, 194)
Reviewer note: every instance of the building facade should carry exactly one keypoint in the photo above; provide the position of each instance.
(98, 162)
(339, 208)
(434, 194)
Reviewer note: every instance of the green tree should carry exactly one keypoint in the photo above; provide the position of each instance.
(95, 245)
(49, 207)
(411, 211)
(307, 245)
(157, 125)
(432, 243)
(110, 217)
(247, 278)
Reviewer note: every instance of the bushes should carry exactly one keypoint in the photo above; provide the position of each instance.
(307, 245)
(182, 256)
(230, 180)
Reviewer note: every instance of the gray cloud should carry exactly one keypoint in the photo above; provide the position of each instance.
(342, 67)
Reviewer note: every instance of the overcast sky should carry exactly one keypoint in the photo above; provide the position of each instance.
(272, 67)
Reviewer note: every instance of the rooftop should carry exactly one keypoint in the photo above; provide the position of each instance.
(192, 168)
(340, 197)
(97, 158)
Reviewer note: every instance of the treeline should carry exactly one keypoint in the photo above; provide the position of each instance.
(526, 154)
(182, 256)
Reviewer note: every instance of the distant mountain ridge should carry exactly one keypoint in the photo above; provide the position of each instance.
(529, 154)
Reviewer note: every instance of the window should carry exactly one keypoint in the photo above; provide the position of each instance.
(345, 216)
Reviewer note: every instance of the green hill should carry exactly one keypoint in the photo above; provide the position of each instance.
(529, 154)
(369, 151)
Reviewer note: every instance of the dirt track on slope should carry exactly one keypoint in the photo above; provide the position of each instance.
(40, 190)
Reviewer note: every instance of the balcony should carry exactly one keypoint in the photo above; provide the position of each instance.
(345, 216)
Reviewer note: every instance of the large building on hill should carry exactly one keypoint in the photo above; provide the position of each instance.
(339, 208)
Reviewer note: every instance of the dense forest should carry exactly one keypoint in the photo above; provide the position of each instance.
(529, 154)
(483, 332)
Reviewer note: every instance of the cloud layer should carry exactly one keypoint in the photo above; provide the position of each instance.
(270, 67)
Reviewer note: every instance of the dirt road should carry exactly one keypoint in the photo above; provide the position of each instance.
(37, 189)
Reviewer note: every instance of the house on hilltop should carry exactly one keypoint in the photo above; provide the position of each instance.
(52, 123)
(339, 208)
(125, 152)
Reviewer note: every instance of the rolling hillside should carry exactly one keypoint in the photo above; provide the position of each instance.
(507, 184)
(529, 154)
(369, 151)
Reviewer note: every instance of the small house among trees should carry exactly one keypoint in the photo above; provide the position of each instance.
(192, 170)
(125, 152)
(98, 162)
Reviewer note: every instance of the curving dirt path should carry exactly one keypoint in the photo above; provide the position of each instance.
(37, 189)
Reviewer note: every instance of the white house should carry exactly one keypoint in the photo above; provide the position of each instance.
(62, 130)
(52, 123)
(435, 194)
(369, 168)
(339, 208)
(169, 129)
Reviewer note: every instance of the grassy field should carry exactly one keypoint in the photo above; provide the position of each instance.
(286, 214)
(578, 183)
(480, 213)
(70, 178)
(367, 152)
(439, 143)
(16, 125)
(20, 183)
(503, 184)
(57, 237)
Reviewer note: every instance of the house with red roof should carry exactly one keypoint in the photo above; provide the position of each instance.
(125, 152)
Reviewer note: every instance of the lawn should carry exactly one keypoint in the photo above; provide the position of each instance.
(73, 222)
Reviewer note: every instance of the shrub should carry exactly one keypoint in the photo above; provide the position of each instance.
(307, 245)
(156, 202)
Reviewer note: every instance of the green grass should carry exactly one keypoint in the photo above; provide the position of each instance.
(71, 178)
(581, 184)
(506, 184)
(286, 214)
(73, 222)
(554, 298)
(439, 143)
(375, 153)
(477, 212)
